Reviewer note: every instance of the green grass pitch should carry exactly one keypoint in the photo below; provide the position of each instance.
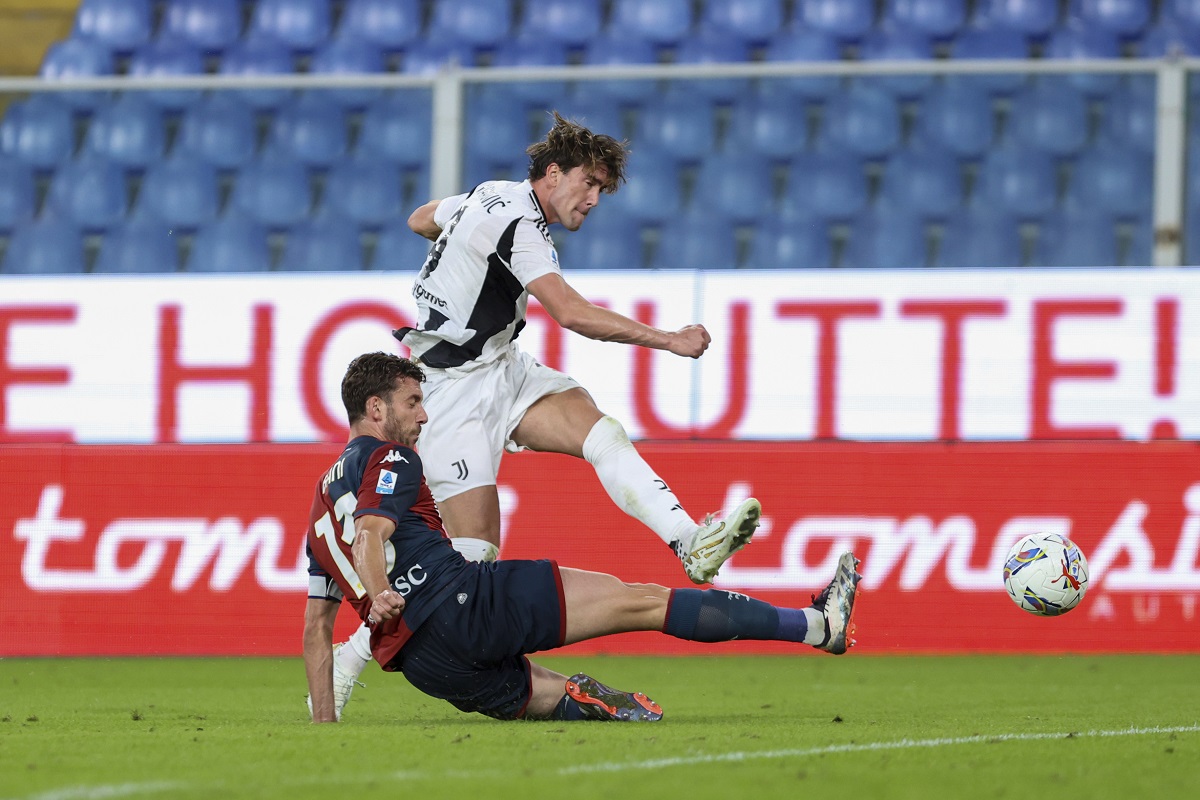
(735, 726)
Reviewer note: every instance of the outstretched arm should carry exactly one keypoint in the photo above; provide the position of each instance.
(319, 615)
(371, 565)
(575, 313)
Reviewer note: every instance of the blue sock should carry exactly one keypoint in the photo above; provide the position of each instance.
(712, 615)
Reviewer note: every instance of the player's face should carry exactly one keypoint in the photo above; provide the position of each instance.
(576, 192)
(405, 413)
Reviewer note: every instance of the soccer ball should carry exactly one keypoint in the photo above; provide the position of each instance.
(1046, 574)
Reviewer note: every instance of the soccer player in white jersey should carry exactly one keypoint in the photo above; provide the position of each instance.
(492, 250)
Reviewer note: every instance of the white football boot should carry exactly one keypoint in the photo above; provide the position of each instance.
(715, 540)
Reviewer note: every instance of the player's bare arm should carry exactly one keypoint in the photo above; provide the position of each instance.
(421, 221)
(319, 615)
(575, 313)
(371, 565)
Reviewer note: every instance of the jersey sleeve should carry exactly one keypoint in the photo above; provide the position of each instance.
(533, 254)
(445, 209)
(390, 482)
(321, 585)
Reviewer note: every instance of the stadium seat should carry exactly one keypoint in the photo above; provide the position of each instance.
(365, 191)
(736, 186)
(1076, 240)
(388, 24)
(974, 240)
(1139, 250)
(168, 57)
(18, 195)
(681, 126)
(1051, 115)
(531, 54)
(798, 244)
(430, 56)
(886, 239)
(45, 247)
(845, 19)
(1131, 115)
(1125, 18)
(302, 25)
(827, 186)
(1076, 42)
(773, 127)
(1031, 17)
(927, 183)
(128, 130)
(397, 128)
(652, 193)
(662, 22)
(696, 240)
(326, 244)
(39, 131)
(273, 191)
(804, 46)
(219, 128)
(959, 117)
(311, 128)
(1191, 241)
(477, 23)
(398, 249)
(897, 45)
(752, 22)
(1115, 181)
(211, 25)
(607, 240)
(1170, 37)
(600, 114)
(180, 191)
(138, 246)
(713, 49)
(568, 22)
(620, 51)
(346, 55)
(497, 129)
(233, 244)
(865, 120)
(119, 25)
(1019, 182)
(940, 19)
(986, 44)
(89, 192)
(259, 55)
(72, 59)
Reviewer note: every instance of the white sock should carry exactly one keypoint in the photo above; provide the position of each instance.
(632, 484)
(475, 549)
(816, 626)
(353, 659)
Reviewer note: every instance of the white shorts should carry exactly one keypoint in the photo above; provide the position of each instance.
(472, 416)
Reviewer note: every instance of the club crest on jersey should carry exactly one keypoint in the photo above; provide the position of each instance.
(386, 483)
(392, 457)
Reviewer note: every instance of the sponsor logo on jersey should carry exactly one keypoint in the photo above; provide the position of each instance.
(421, 293)
(386, 483)
(392, 457)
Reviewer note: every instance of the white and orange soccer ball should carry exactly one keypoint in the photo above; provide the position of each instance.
(1046, 574)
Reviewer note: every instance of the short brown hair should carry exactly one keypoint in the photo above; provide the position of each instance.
(571, 145)
(374, 375)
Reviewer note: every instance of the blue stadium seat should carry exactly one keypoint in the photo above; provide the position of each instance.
(696, 240)
(274, 191)
(681, 126)
(1191, 241)
(569, 22)
(774, 128)
(497, 130)
(45, 247)
(897, 45)
(662, 22)
(621, 51)
(259, 55)
(804, 46)
(397, 128)
(39, 131)
(326, 244)
(220, 128)
(1019, 182)
(1139, 251)
(138, 246)
(398, 249)
(865, 120)
(827, 186)
(180, 191)
(233, 244)
(1077, 42)
(1170, 37)
(119, 25)
(986, 44)
(168, 57)
(389, 24)
(312, 129)
(129, 130)
(1123, 17)
(886, 239)
(211, 25)
(1185, 13)
(346, 55)
(89, 192)
(429, 56)
(653, 193)
(1051, 116)
(302, 25)
(608, 240)
(365, 191)
(939, 19)
(1076, 240)
(845, 19)
(753, 22)
(798, 244)
(714, 49)
(72, 59)
(927, 183)
(1131, 115)
(736, 186)
(1030, 17)
(534, 53)
(1115, 181)
(18, 196)
(477, 23)
(974, 240)
(600, 114)
(959, 117)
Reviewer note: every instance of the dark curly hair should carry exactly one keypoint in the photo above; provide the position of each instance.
(374, 375)
(571, 145)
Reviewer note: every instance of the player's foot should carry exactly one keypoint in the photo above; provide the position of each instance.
(716, 540)
(836, 603)
(598, 701)
(343, 684)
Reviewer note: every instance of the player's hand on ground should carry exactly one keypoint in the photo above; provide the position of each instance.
(690, 341)
(387, 604)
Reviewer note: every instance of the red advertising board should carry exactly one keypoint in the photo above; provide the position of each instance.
(198, 549)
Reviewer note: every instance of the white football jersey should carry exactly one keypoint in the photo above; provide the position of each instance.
(471, 296)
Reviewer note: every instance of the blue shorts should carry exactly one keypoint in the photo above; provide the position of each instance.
(471, 650)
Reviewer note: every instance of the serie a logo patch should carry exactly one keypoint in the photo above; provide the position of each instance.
(386, 483)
